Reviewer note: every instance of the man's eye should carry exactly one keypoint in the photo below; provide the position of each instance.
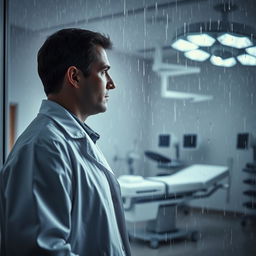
(104, 72)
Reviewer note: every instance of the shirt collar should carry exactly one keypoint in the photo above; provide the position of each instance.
(93, 135)
(69, 122)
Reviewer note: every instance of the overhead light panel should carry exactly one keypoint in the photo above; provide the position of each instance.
(247, 59)
(198, 55)
(183, 45)
(218, 61)
(251, 50)
(234, 41)
(201, 40)
(219, 41)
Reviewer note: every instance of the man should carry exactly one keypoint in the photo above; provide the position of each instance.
(58, 194)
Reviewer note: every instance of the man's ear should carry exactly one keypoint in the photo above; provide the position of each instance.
(73, 76)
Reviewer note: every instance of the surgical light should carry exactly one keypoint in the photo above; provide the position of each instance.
(218, 61)
(219, 41)
(198, 55)
(234, 41)
(247, 59)
(201, 40)
(251, 50)
(183, 45)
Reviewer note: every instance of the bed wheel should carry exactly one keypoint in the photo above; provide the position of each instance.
(194, 236)
(154, 244)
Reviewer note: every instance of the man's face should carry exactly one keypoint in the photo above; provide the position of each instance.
(94, 89)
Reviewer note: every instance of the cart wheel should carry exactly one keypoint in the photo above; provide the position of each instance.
(154, 244)
(194, 236)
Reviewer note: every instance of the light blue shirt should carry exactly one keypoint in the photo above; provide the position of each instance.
(58, 194)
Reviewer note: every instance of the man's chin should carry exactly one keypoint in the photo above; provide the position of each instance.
(104, 107)
(101, 109)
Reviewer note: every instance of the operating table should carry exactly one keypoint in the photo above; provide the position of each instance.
(154, 199)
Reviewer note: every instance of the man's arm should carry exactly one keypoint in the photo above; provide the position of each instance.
(38, 204)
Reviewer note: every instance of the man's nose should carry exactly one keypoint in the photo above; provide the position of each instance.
(110, 83)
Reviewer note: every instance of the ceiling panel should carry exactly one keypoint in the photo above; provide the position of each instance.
(135, 26)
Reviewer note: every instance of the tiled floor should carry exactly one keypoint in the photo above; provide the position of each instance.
(220, 235)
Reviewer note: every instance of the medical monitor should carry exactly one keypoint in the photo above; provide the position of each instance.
(190, 141)
(164, 140)
(242, 141)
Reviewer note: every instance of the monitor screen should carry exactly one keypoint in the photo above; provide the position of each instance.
(242, 141)
(189, 141)
(164, 140)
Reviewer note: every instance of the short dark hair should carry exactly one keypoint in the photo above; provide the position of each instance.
(65, 48)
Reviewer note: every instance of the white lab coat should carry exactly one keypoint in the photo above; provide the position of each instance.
(55, 197)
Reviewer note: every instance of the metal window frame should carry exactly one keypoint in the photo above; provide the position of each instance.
(3, 78)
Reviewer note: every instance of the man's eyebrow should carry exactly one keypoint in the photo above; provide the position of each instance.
(105, 67)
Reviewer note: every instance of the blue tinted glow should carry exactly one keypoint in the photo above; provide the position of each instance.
(246, 59)
(201, 40)
(183, 45)
(234, 41)
(251, 50)
(218, 61)
(198, 55)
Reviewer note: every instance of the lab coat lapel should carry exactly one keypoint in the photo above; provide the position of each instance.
(93, 152)
(95, 155)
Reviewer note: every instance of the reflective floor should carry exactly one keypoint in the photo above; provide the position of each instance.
(219, 235)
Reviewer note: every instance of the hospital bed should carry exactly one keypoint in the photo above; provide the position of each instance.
(154, 199)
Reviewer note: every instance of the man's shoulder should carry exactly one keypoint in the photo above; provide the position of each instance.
(41, 130)
(41, 140)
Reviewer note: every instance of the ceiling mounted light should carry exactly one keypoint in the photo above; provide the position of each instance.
(183, 45)
(238, 42)
(251, 50)
(198, 55)
(201, 40)
(247, 59)
(224, 41)
(227, 63)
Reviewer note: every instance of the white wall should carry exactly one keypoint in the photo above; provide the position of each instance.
(24, 85)
(217, 122)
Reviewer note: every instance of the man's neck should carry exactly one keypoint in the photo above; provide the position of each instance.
(67, 104)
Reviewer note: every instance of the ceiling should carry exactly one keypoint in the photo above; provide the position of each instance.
(135, 26)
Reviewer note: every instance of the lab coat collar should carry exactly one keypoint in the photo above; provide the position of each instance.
(63, 117)
(93, 135)
(68, 123)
